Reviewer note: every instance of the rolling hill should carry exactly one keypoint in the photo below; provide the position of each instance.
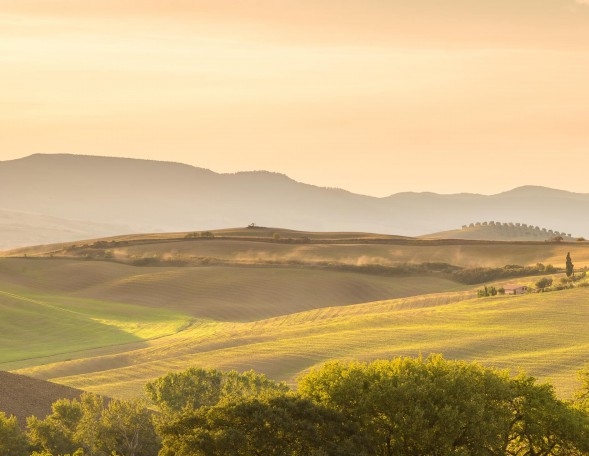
(107, 315)
(149, 196)
(541, 333)
(498, 231)
(258, 246)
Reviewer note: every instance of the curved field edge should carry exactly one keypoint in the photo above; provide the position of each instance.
(55, 310)
(220, 293)
(34, 326)
(543, 334)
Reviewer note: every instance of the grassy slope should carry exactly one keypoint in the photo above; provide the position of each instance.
(274, 318)
(60, 308)
(545, 334)
(218, 292)
(36, 326)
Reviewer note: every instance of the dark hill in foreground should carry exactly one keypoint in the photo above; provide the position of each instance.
(152, 196)
(24, 396)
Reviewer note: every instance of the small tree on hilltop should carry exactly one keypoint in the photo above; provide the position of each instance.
(570, 271)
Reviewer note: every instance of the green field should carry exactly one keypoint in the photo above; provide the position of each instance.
(109, 327)
(36, 326)
(544, 334)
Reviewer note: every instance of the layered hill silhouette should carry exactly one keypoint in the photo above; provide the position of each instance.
(88, 196)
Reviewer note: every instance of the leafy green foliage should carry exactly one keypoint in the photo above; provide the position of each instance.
(414, 406)
(197, 387)
(284, 425)
(55, 433)
(404, 406)
(13, 441)
(127, 428)
(88, 426)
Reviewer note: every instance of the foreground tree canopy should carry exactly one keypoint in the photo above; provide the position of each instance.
(405, 406)
(437, 407)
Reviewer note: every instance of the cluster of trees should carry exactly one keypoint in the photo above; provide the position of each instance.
(518, 226)
(473, 276)
(469, 276)
(490, 291)
(405, 406)
(202, 234)
(543, 284)
(88, 426)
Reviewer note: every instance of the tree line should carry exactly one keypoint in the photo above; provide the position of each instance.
(404, 406)
(518, 226)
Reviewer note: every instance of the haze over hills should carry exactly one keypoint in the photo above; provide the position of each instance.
(23, 229)
(99, 196)
(497, 231)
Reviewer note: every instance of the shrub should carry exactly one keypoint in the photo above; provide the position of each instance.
(544, 282)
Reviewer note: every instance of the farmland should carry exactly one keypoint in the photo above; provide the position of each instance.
(108, 325)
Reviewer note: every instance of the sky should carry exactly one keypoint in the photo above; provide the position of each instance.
(373, 96)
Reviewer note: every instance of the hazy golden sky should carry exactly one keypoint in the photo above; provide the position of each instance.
(374, 96)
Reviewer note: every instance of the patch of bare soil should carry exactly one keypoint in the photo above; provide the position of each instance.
(25, 396)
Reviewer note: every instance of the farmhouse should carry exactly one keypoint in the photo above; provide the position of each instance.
(512, 289)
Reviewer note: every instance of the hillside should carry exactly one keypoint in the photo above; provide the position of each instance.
(502, 231)
(150, 196)
(259, 246)
(23, 396)
(135, 307)
(542, 333)
(119, 293)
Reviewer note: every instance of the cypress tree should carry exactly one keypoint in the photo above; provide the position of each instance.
(569, 265)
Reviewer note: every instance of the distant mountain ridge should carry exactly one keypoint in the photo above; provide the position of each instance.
(148, 196)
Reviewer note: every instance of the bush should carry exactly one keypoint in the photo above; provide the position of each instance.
(543, 283)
